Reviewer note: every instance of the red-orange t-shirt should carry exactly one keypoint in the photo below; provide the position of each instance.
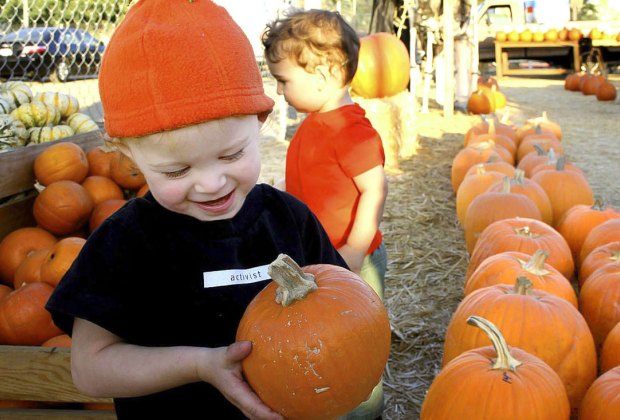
(328, 150)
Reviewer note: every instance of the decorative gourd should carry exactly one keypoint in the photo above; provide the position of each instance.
(5, 106)
(37, 114)
(61, 161)
(606, 91)
(65, 103)
(507, 266)
(521, 185)
(604, 233)
(38, 135)
(24, 321)
(535, 321)
(13, 133)
(472, 186)
(15, 246)
(102, 188)
(82, 123)
(600, 256)
(598, 302)
(321, 339)
(523, 235)
(491, 206)
(125, 173)
(29, 271)
(59, 258)
(16, 93)
(495, 382)
(383, 66)
(602, 401)
(63, 207)
(104, 210)
(580, 219)
(100, 160)
(565, 189)
(610, 353)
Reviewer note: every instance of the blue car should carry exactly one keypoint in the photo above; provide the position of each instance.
(54, 54)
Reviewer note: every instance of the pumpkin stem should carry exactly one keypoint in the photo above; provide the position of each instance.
(293, 283)
(523, 286)
(599, 204)
(539, 150)
(506, 185)
(519, 178)
(504, 360)
(536, 264)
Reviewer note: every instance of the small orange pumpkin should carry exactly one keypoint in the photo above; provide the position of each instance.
(61, 161)
(62, 340)
(100, 160)
(600, 256)
(102, 211)
(604, 233)
(602, 401)
(125, 173)
(59, 259)
(102, 188)
(63, 207)
(313, 370)
(29, 271)
(610, 353)
(17, 245)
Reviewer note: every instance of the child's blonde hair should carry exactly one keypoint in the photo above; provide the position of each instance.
(311, 38)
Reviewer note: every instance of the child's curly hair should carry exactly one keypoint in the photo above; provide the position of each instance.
(311, 38)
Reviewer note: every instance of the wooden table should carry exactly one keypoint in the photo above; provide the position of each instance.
(502, 50)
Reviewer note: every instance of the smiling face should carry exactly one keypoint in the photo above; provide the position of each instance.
(205, 170)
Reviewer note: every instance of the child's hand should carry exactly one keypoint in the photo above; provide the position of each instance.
(224, 372)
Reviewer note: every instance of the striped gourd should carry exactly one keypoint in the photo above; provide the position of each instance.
(81, 123)
(12, 133)
(65, 103)
(37, 114)
(17, 93)
(38, 135)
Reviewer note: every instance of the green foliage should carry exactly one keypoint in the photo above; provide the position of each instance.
(588, 11)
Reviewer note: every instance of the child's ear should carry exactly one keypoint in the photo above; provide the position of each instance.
(323, 71)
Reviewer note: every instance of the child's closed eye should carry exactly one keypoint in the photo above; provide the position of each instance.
(235, 156)
(176, 174)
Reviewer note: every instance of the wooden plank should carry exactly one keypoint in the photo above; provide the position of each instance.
(54, 414)
(16, 214)
(38, 374)
(16, 173)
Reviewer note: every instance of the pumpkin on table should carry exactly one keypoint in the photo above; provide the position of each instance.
(321, 339)
(495, 382)
(536, 321)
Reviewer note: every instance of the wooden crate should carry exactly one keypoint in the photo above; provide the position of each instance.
(40, 374)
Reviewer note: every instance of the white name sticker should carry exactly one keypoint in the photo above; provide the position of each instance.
(232, 277)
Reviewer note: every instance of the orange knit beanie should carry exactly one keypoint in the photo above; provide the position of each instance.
(173, 63)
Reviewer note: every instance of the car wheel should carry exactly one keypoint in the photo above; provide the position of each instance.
(60, 72)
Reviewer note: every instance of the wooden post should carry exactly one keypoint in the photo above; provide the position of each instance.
(428, 69)
(448, 51)
(414, 69)
(475, 57)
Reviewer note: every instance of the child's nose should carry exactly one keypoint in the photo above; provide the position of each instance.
(210, 183)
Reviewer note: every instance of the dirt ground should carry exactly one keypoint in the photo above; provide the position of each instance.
(427, 256)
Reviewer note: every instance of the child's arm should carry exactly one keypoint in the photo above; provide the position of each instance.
(372, 185)
(103, 365)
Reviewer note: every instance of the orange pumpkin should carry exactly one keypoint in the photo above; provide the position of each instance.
(610, 353)
(61, 161)
(551, 35)
(532, 159)
(507, 266)
(574, 34)
(523, 235)
(521, 185)
(17, 245)
(495, 382)
(604, 233)
(59, 259)
(572, 82)
(29, 271)
(142, 191)
(606, 91)
(544, 123)
(100, 160)
(102, 188)
(591, 84)
(472, 186)
(600, 256)
(491, 206)
(62, 340)
(383, 66)
(602, 401)
(564, 188)
(102, 211)
(500, 166)
(492, 126)
(313, 371)
(479, 103)
(499, 139)
(24, 321)
(125, 173)
(4, 290)
(468, 157)
(598, 302)
(535, 321)
(62, 207)
(580, 219)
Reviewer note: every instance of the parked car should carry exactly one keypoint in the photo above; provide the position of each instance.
(47, 53)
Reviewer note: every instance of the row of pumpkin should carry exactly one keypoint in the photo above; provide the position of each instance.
(78, 189)
(33, 118)
(536, 236)
(554, 35)
(591, 84)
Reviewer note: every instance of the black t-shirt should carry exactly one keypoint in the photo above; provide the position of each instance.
(158, 278)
